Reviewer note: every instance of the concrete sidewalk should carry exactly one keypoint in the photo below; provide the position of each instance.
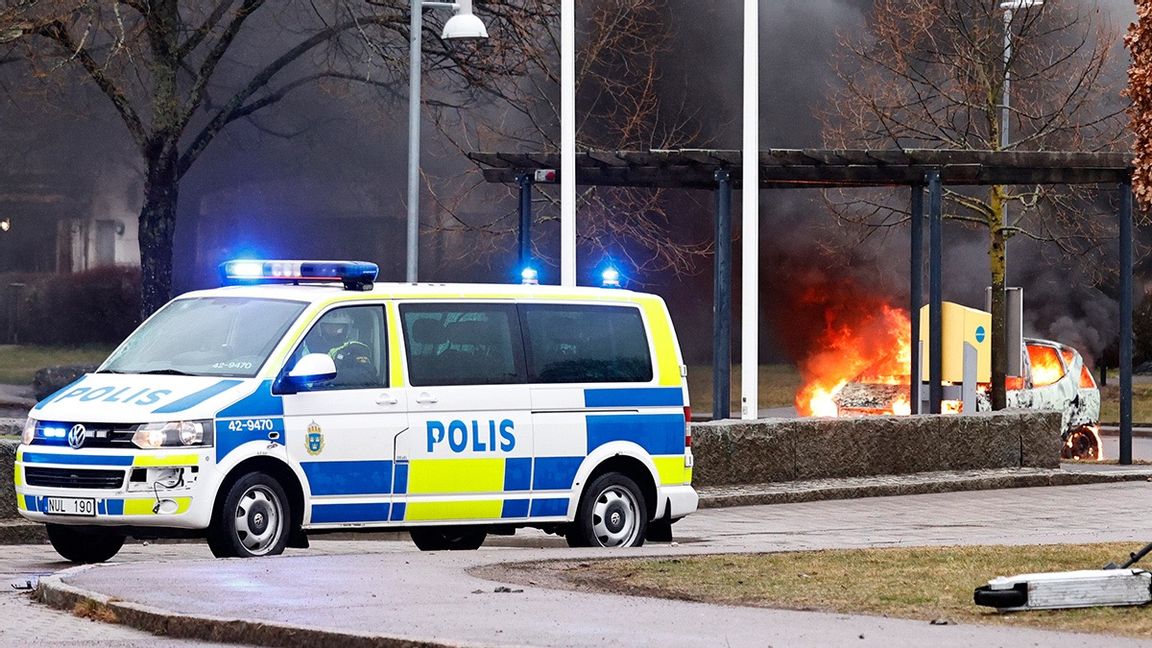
(387, 593)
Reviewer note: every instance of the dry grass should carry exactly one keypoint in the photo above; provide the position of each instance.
(1141, 401)
(921, 583)
(18, 363)
(778, 385)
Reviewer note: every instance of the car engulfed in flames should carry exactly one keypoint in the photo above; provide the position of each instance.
(863, 370)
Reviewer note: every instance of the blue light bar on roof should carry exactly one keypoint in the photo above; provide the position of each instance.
(354, 275)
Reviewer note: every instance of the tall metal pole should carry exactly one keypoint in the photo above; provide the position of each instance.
(1005, 95)
(916, 291)
(415, 27)
(935, 293)
(722, 301)
(524, 180)
(1126, 323)
(750, 246)
(567, 143)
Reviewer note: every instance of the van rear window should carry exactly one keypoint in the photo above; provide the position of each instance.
(585, 343)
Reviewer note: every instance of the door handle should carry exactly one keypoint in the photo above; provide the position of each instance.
(426, 398)
(385, 399)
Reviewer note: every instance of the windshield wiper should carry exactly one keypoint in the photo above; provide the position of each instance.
(166, 372)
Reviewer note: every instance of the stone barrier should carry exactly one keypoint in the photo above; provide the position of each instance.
(780, 450)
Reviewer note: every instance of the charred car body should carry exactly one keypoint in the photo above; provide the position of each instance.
(1055, 377)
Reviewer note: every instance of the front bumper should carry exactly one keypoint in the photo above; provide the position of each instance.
(155, 488)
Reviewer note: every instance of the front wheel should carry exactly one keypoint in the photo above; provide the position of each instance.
(449, 538)
(252, 520)
(84, 545)
(612, 513)
(1083, 444)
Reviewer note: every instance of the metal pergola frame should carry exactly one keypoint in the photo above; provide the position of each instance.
(921, 170)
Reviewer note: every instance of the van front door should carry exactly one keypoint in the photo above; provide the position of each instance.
(468, 449)
(340, 433)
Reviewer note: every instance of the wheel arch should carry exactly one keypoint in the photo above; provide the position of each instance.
(627, 459)
(278, 470)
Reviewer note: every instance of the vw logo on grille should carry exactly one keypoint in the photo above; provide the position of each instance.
(76, 436)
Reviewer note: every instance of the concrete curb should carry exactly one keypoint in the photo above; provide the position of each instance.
(53, 591)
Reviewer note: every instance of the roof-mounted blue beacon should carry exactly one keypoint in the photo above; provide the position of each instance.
(353, 275)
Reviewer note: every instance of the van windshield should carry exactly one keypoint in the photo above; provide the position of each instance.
(206, 336)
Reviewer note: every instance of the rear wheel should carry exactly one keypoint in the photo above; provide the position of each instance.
(612, 513)
(84, 544)
(1083, 443)
(448, 538)
(252, 520)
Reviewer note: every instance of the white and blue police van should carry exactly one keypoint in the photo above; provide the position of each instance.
(300, 398)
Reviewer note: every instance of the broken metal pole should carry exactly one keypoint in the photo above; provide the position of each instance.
(722, 300)
(1126, 323)
(916, 291)
(524, 180)
(935, 294)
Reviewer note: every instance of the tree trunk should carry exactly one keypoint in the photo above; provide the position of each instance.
(997, 265)
(157, 224)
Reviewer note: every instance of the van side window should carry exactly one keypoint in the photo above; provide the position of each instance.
(354, 338)
(462, 344)
(578, 344)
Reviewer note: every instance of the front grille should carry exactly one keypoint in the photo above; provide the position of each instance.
(96, 435)
(73, 478)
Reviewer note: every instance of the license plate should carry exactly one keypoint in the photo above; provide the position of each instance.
(71, 506)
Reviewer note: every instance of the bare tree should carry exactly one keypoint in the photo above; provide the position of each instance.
(622, 104)
(932, 74)
(1139, 91)
(179, 73)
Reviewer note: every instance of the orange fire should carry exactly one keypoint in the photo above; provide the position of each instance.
(1046, 366)
(871, 347)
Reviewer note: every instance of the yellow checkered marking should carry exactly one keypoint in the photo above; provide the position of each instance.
(18, 476)
(152, 461)
(144, 506)
(437, 476)
(20, 505)
(454, 510)
(667, 361)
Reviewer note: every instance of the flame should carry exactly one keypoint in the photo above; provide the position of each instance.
(1046, 366)
(864, 345)
(1083, 444)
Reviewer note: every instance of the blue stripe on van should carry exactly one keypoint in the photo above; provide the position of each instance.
(194, 399)
(77, 459)
(348, 477)
(555, 473)
(635, 397)
(518, 474)
(368, 512)
(515, 508)
(659, 434)
(397, 511)
(550, 507)
(261, 402)
(400, 485)
(59, 392)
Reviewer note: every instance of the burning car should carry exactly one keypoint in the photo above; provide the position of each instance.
(1055, 378)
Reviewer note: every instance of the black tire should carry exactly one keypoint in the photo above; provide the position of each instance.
(448, 538)
(252, 520)
(1082, 444)
(1004, 598)
(84, 544)
(612, 513)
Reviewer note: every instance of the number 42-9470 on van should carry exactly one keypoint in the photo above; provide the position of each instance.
(301, 398)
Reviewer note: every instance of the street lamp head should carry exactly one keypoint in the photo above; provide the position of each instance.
(464, 24)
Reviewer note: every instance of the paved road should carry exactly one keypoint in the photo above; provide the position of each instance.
(388, 587)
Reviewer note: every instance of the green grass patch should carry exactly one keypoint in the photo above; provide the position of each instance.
(778, 385)
(1141, 401)
(18, 363)
(920, 583)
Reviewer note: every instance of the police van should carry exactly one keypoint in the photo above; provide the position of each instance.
(300, 398)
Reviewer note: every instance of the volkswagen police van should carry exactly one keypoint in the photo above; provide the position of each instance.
(300, 398)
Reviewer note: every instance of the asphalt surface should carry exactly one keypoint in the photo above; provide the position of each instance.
(387, 588)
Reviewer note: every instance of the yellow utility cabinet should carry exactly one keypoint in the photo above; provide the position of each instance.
(959, 324)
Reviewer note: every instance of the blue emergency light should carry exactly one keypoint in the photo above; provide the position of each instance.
(610, 278)
(354, 275)
(529, 277)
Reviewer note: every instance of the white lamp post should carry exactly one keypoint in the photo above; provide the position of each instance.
(1009, 6)
(463, 25)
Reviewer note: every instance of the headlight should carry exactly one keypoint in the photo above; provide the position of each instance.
(173, 433)
(29, 431)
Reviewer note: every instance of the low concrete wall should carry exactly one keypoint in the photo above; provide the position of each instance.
(7, 487)
(777, 450)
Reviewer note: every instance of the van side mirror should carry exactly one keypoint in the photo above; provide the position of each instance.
(312, 368)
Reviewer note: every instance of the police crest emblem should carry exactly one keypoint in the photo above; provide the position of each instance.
(315, 439)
